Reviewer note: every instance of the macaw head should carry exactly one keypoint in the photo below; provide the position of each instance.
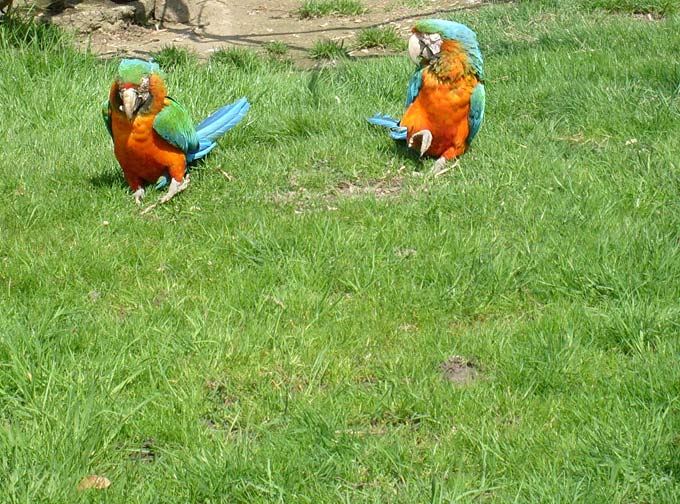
(429, 37)
(133, 78)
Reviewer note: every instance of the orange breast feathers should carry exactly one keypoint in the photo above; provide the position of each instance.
(144, 155)
(443, 103)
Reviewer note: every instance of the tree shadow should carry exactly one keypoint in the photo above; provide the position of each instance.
(258, 39)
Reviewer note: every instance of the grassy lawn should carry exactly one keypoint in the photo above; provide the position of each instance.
(277, 332)
(320, 8)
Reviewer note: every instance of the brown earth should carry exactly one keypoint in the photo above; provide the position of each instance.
(141, 27)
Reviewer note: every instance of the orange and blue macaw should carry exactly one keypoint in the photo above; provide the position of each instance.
(154, 138)
(445, 96)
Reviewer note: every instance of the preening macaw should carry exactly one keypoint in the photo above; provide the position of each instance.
(153, 136)
(445, 96)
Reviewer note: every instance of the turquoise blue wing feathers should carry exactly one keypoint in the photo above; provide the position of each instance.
(174, 125)
(397, 132)
(414, 85)
(216, 125)
(476, 114)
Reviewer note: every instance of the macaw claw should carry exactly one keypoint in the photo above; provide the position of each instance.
(175, 187)
(425, 140)
(138, 195)
(440, 167)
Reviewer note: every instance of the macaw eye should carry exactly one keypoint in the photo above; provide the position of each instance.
(431, 45)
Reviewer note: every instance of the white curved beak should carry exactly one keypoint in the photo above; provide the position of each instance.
(414, 49)
(130, 102)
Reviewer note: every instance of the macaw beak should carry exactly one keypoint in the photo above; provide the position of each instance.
(414, 49)
(131, 102)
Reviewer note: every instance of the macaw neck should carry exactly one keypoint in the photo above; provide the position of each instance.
(159, 93)
(451, 63)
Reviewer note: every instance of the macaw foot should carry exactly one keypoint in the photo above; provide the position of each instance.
(138, 195)
(440, 168)
(175, 187)
(425, 140)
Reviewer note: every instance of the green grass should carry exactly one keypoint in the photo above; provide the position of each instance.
(321, 8)
(276, 48)
(658, 7)
(169, 57)
(248, 60)
(385, 37)
(276, 337)
(328, 50)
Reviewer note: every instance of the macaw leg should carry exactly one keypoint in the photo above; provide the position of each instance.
(175, 187)
(138, 195)
(439, 167)
(135, 184)
(425, 137)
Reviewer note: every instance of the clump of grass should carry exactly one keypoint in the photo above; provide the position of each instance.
(385, 37)
(320, 8)
(276, 48)
(173, 56)
(657, 7)
(328, 49)
(249, 60)
(243, 59)
(20, 31)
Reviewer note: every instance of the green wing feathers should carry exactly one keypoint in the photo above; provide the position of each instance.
(106, 115)
(174, 125)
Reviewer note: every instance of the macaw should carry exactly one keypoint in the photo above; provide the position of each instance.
(445, 96)
(154, 138)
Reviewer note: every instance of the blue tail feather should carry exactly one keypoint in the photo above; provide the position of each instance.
(216, 125)
(397, 132)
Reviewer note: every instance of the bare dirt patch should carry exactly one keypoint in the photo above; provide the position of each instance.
(389, 186)
(460, 370)
(141, 27)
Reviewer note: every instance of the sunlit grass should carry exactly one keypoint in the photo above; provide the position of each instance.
(172, 56)
(385, 37)
(278, 332)
(320, 8)
(328, 50)
(276, 48)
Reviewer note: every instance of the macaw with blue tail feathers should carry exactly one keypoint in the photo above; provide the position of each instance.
(445, 96)
(154, 138)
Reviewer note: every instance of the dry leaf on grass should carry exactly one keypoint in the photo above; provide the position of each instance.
(95, 482)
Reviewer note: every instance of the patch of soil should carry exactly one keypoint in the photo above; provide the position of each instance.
(380, 188)
(648, 16)
(460, 371)
(117, 29)
(145, 453)
(387, 187)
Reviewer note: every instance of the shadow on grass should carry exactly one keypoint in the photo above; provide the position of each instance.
(115, 178)
(111, 179)
(400, 150)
